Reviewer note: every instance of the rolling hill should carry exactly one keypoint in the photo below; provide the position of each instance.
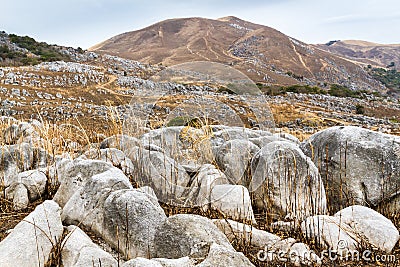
(263, 53)
(378, 55)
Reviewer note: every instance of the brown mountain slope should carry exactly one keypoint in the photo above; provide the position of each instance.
(261, 52)
(380, 55)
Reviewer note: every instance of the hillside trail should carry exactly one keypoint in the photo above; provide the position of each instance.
(207, 44)
(301, 59)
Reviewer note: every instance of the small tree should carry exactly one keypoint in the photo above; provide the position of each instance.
(360, 109)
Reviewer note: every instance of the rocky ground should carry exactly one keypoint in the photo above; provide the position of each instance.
(89, 89)
(97, 172)
(199, 196)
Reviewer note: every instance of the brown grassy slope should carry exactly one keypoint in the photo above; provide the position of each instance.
(380, 55)
(255, 49)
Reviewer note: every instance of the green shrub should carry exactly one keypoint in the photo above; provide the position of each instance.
(304, 89)
(390, 78)
(42, 50)
(360, 109)
(343, 91)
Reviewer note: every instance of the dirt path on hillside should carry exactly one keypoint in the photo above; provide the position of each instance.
(301, 59)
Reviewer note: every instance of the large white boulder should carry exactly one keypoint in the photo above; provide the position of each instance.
(184, 235)
(233, 201)
(32, 240)
(78, 250)
(359, 166)
(133, 217)
(233, 158)
(371, 226)
(286, 182)
(73, 175)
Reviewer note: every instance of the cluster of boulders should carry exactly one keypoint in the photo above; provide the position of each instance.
(332, 109)
(114, 190)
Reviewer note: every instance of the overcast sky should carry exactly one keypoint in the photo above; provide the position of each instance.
(85, 23)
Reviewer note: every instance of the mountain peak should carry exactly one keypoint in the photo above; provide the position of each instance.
(263, 53)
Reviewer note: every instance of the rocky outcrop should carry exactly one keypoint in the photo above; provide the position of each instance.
(166, 176)
(351, 229)
(79, 250)
(112, 155)
(358, 166)
(31, 241)
(73, 175)
(187, 235)
(28, 187)
(286, 182)
(272, 247)
(132, 217)
(107, 204)
(233, 158)
(233, 201)
(205, 179)
(371, 226)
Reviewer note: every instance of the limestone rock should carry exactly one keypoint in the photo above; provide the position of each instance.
(79, 250)
(233, 159)
(356, 164)
(184, 235)
(74, 174)
(220, 256)
(233, 201)
(246, 233)
(371, 226)
(286, 182)
(134, 218)
(31, 241)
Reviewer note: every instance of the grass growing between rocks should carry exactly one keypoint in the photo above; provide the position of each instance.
(74, 138)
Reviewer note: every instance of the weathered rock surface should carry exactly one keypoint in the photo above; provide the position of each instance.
(167, 138)
(246, 233)
(288, 137)
(220, 256)
(371, 226)
(32, 240)
(160, 262)
(126, 219)
(233, 201)
(109, 206)
(206, 178)
(289, 250)
(19, 158)
(34, 182)
(167, 177)
(275, 249)
(134, 218)
(330, 233)
(233, 159)
(114, 156)
(74, 174)
(286, 182)
(184, 235)
(121, 142)
(19, 133)
(141, 262)
(358, 166)
(79, 250)
(86, 205)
